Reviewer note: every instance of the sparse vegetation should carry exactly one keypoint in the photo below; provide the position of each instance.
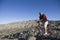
(17, 27)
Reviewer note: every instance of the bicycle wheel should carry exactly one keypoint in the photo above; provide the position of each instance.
(52, 32)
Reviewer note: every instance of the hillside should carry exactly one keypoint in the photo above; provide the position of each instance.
(16, 27)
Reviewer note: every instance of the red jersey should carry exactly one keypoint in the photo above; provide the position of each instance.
(43, 17)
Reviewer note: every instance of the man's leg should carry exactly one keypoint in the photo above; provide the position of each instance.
(45, 25)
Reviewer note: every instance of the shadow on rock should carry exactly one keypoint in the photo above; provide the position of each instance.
(21, 39)
(42, 37)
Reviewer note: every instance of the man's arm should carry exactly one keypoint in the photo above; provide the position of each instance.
(41, 20)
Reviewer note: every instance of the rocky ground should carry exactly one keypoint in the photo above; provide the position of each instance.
(23, 31)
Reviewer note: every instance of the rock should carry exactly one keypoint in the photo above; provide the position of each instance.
(21, 39)
(32, 38)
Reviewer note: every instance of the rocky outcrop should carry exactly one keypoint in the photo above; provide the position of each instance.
(23, 31)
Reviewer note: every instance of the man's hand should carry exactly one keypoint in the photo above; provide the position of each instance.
(41, 20)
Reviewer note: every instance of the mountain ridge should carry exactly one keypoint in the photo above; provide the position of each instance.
(17, 26)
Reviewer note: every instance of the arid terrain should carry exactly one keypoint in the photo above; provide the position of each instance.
(23, 30)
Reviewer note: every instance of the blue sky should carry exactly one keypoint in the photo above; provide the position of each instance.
(21, 10)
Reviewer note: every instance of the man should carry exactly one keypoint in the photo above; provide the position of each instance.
(44, 20)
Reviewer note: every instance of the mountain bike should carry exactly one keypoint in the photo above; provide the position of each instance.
(40, 30)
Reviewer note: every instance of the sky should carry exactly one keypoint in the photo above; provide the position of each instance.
(22, 10)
